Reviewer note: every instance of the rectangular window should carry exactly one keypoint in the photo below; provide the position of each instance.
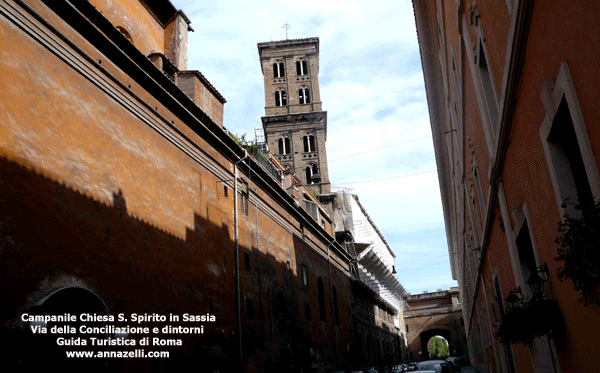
(303, 96)
(301, 68)
(309, 143)
(526, 253)
(244, 203)
(307, 314)
(246, 261)
(305, 276)
(249, 309)
(568, 161)
(488, 88)
(567, 146)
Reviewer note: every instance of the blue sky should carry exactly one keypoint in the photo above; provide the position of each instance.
(372, 89)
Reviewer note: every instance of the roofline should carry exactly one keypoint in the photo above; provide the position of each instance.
(364, 211)
(289, 41)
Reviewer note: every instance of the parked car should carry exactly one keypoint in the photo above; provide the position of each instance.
(366, 370)
(452, 363)
(438, 366)
(462, 361)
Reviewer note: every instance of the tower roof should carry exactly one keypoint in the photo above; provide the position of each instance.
(283, 44)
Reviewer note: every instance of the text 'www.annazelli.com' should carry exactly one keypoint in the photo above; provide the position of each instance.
(137, 353)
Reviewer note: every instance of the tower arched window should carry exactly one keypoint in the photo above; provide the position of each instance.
(278, 70)
(309, 144)
(284, 145)
(311, 171)
(304, 96)
(301, 67)
(280, 98)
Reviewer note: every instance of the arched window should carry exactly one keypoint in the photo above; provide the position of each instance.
(311, 171)
(284, 145)
(301, 67)
(321, 288)
(280, 98)
(303, 96)
(125, 33)
(278, 70)
(307, 315)
(309, 144)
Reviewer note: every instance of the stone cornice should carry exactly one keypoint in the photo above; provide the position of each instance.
(311, 117)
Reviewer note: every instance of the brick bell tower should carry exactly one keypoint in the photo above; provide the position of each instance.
(295, 124)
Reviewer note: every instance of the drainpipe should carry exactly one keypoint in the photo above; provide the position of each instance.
(238, 305)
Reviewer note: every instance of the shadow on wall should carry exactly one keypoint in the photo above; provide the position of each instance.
(104, 260)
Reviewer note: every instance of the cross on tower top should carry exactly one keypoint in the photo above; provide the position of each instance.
(286, 26)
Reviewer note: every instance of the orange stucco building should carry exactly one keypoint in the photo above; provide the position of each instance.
(121, 193)
(511, 87)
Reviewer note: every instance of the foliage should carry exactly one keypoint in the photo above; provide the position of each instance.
(579, 250)
(438, 348)
(252, 148)
(529, 320)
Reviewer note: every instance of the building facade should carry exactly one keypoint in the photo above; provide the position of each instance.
(511, 87)
(377, 295)
(121, 194)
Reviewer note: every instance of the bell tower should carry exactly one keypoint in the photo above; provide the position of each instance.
(295, 124)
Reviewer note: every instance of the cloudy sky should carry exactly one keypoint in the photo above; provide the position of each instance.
(378, 139)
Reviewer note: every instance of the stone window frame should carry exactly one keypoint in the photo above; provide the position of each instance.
(310, 143)
(280, 97)
(506, 351)
(521, 217)
(552, 95)
(278, 69)
(304, 95)
(311, 170)
(545, 349)
(284, 145)
(301, 67)
(523, 220)
(512, 5)
(484, 85)
(304, 276)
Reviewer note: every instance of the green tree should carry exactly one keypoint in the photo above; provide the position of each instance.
(438, 347)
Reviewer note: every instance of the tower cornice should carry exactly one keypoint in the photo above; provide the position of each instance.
(288, 43)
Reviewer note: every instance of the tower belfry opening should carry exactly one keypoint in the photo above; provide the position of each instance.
(295, 128)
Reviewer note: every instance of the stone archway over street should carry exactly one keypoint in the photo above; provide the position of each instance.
(431, 314)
